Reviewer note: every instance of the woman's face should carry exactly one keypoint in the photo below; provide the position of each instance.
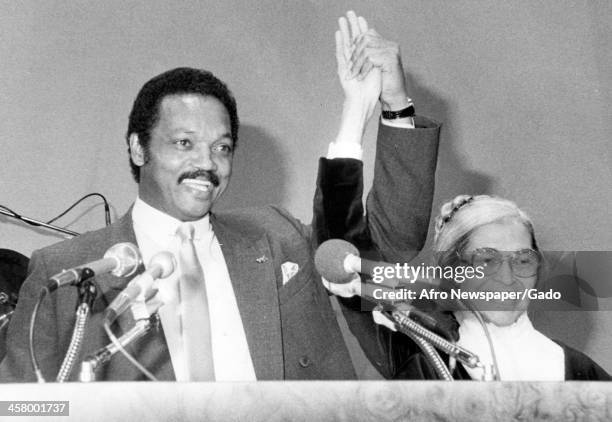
(506, 236)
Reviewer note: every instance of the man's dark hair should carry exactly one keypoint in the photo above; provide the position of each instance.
(182, 80)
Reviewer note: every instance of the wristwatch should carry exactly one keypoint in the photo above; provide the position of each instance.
(405, 112)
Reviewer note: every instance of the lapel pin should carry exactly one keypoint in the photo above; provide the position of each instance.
(262, 259)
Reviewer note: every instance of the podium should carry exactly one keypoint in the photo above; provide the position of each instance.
(322, 400)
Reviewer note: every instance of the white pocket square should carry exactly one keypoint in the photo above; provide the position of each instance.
(289, 270)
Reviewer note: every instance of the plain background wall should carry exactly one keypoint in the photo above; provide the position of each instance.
(522, 87)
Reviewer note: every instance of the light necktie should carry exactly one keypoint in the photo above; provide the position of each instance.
(195, 316)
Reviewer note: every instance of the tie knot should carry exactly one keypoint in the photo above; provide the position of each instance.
(185, 231)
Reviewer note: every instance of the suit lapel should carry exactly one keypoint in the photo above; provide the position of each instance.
(251, 268)
(151, 350)
(109, 285)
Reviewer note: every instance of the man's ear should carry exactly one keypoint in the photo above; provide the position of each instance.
(137, 153)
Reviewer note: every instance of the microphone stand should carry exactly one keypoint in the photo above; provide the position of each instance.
(87, 295)
(427, 340)
(103, 355)
(33, 222)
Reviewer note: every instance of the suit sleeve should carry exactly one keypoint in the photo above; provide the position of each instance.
(399, 203)
(16, 365)
(338, 208)
(394, 228)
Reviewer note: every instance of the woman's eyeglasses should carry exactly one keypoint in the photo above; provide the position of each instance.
(524, 263)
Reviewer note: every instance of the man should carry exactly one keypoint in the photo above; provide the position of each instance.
(262, 312)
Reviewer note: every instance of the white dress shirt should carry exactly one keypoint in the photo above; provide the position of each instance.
(156, 231)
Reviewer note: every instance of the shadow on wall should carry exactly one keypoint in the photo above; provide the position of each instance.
(259, 171)
(453, 177)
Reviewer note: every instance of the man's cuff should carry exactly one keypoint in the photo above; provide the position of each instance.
(344, 150)
(405, 123)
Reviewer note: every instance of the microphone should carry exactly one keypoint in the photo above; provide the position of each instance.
(161, 265)
(121, 260)
(337, 260)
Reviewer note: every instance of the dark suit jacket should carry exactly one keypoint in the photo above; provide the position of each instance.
(291, 330)
(407, 361)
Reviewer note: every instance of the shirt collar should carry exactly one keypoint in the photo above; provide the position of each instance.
(517, 328)
(158, 225)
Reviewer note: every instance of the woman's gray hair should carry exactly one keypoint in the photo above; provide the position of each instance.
(460, 217)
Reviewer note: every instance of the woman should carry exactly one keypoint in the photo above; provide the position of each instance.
(495, 237)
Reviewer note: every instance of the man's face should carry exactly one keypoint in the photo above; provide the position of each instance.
(189, 159)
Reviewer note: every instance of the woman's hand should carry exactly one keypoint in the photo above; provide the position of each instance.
(362, 90)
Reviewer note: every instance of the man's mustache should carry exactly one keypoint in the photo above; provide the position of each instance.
(206, 174)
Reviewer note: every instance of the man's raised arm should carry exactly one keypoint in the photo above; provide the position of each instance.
(399, 203)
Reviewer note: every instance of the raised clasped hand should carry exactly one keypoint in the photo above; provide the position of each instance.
(371, 52)
(366, 87)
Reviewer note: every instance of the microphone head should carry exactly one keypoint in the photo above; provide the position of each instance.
(329, 260)
(127, 256)
(164, 261)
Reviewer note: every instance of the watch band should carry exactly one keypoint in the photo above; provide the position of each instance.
(405, 112)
